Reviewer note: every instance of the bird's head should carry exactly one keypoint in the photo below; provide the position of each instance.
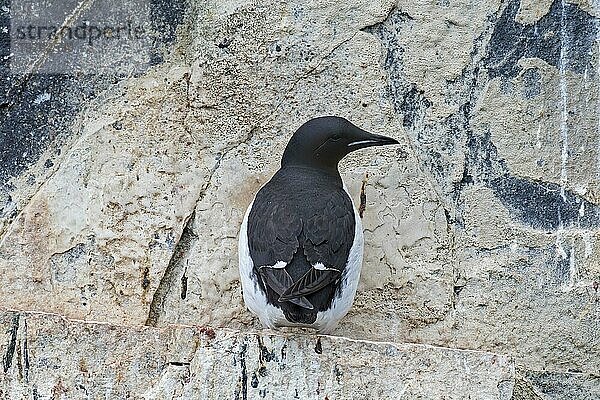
(322, 142)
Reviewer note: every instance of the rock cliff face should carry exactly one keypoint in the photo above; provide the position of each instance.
(121, 196)
(50, 357)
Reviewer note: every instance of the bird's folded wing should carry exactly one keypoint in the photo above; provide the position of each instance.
(329, 235)
(273, 231)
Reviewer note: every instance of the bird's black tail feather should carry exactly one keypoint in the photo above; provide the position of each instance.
(299, 316)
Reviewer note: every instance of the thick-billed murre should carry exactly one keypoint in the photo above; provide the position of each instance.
(301, 241)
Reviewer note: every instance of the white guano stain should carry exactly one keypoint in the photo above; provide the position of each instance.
(588, 241)
(42, 98)
(564, 128)
(560, 250)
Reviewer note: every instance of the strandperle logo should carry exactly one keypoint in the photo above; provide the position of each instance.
(86, 31)
(74, 37)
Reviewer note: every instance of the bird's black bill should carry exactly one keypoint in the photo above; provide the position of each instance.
(369, 140)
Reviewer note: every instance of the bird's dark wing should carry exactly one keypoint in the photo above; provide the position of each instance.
(328, 236)
(273, 232)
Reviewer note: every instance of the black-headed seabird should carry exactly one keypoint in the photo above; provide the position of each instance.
(301, 241)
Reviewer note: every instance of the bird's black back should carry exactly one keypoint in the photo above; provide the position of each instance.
(302, 217)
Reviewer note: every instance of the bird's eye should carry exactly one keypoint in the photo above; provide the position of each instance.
(336, 137)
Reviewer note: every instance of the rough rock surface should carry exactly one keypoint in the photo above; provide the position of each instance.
(120, 200)
(46, 356)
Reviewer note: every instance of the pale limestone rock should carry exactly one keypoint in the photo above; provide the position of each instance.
(530, 11)
(110, 215)
(47, 356)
